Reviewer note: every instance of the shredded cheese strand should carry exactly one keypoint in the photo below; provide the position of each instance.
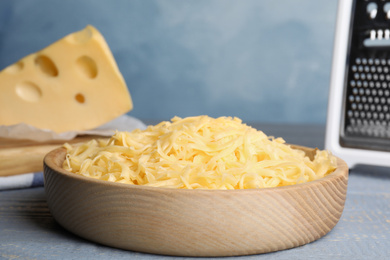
(197, 153)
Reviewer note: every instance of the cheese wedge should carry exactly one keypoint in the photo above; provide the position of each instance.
(73, 84)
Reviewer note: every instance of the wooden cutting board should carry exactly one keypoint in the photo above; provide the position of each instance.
(25, 156)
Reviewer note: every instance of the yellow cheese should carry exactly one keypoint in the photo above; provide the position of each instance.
(73, 84)
(198, 153)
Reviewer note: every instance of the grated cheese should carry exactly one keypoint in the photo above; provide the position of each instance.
(197, 153)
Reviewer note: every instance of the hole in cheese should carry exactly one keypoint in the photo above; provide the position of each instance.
(46, 65)
(28, 91)
(80, 98)
(14, 68)
(87, 66)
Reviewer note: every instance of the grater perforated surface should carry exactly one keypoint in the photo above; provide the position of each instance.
(366, 121)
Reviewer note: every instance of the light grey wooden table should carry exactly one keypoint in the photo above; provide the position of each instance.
(28, 231)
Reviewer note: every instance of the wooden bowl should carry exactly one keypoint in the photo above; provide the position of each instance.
(194, 222)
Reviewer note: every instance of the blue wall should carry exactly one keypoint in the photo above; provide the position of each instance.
(264, 61)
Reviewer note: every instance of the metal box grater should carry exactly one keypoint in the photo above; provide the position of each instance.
(358, 122)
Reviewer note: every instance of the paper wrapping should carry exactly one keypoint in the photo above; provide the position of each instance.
(28, 132)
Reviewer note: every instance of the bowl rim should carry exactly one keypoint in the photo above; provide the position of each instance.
(341, 171)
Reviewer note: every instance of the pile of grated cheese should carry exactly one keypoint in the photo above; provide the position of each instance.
(197, 153)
